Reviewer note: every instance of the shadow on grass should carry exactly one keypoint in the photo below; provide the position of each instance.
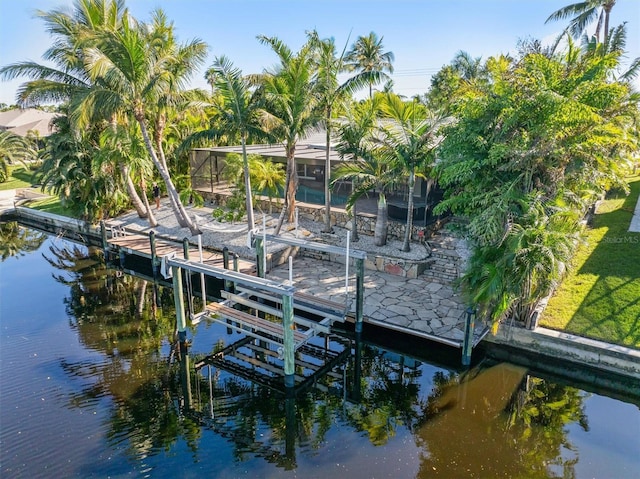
(611, 309)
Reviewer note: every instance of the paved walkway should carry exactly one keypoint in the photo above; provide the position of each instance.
(417, 306)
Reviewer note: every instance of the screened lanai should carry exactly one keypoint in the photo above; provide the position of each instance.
(207, 165)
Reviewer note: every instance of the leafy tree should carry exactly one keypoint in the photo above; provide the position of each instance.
(529, 152)
(123, 149)
(135, 74)
(367, 55)
(267, 177)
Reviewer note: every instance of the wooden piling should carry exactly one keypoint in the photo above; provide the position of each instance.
(467, 344)
(288, 341)
(225, 264)
(155, 264)
(105, 242)
(359, 294)
(178, 298)
(260, 270)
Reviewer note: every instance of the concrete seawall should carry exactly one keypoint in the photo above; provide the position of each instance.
(559, 346)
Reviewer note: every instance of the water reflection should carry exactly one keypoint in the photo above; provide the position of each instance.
(17, 241)
(170, 408)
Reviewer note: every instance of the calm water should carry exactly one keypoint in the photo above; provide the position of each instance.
(93, 386)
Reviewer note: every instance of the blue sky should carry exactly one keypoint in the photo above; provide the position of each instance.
(424, 35)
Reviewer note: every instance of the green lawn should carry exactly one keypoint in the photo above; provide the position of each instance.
(50, 205)
(600, 297)
(19, 177)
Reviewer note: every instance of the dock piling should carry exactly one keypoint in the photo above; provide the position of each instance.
(225, 264)
(187, 277)
(178, 298)
(359, 294)
(260, 260)
(155, 264)
(467, 344)
(288, 340)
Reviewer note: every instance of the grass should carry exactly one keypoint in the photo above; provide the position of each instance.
(19, 177)
(51, 205)
(600, 297)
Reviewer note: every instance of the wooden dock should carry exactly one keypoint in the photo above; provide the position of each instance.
(141, 245)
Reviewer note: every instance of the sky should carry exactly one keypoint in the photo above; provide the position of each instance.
(423, 35)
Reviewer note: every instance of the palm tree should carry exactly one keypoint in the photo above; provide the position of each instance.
(409, 142)
(367, 170)
(355, 143)
(329, 66)
(13, 148)
(290, 108)
(72, 34)
(468, 67)
(367, 55)
(129, 73)
(122, 147)
(583, 14)
(238, 114)
(268, 177)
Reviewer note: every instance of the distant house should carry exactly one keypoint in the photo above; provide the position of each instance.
(23, 121)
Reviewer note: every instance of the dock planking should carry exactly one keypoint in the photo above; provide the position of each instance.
(141, 246)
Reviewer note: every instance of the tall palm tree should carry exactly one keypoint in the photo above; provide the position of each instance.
(130, 74)
(409, 141)
(583, 14)
(238, 114)
(290, 108)
(122, 148)
(13, 148)
(329, 66)
(355, 144)
(367, 55)
(367, 169)
(72, 33)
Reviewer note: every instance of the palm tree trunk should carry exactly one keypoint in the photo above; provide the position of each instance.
(179, 211)
(409, 227)
(327, 175)
(607, 11)
(292, 188)
(133, 194)
(247, 185)
(285, 204)
(150, 216)
(380, 232)
(173, 201)
(354, 224)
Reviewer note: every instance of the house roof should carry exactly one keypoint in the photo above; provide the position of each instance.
(313, 147)
(22, 121)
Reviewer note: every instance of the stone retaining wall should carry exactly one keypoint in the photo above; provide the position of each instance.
(366, 222)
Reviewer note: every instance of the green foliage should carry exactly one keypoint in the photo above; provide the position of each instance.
(13, 149)
(529, 151)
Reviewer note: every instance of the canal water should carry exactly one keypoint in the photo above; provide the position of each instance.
(93, 385)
